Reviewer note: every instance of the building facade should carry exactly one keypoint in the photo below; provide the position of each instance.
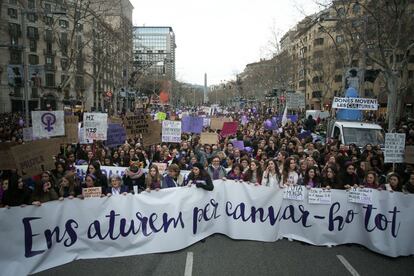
(75, 53)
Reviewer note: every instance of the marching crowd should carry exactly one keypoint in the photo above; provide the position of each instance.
(270, 157)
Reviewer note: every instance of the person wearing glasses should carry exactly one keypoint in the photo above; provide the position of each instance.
(215, 170)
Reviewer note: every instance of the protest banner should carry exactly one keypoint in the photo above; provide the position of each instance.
(208, 138)
(136, 124)
(95, 126)
(160, 116)
(171, 131)
(294, 192)
(36, 156)
(71, 130)
(162, 167)
(27, 134)
(116, 135)
(409, 155)
(360, 195)
(192, 124)
(7, 160)
(217, 123)
(229, 128)
(237, 210)
(394, 148)
(153, 137)
(295, 100)
(355, 103)
(81, 137)
(319, 196)
(48, 123)
(92, 192)
(238, 144)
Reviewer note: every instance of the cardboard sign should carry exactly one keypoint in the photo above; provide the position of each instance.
(48, 123)
(208, 138)
(361, 196)
(162, 167)
(192, 124)
(394, 148)
(136, 124)
(355, 103)
(37, 156)
(319, 196)
(7, 160)
(116, 135)
(92, 192)
(71, 130)
(409, 155)
(115, 120)
(229, 128)
(171, 131)
(217, 123)
(154, 135)
(294, 192)
(95, 125)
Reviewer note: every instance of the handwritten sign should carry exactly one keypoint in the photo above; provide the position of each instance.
(154, 135)
(319, 196)
(48, 123)
(229, 128)
(217, 123)
(171, 131)
(192, 124)
(82, 139)
(28, 134)
(116, 135)
(71, 130)
(92, 192)
(208, 138)
(95, 125)
(361, 196)
(394, 148)
(294, 192)
(136, 124)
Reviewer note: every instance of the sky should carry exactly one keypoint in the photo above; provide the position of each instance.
(219, 37)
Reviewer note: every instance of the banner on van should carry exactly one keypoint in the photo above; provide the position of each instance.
(355, 103)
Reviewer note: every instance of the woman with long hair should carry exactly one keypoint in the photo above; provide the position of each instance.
(153, 179)
(311, 179)
(17, 194)
(394, 183)
(330, 179)
(271, 175)
(68, 188)
(254, 173)
(95, 169)
(371, 181)
(199, 177)
(236, 173)
(289, 175)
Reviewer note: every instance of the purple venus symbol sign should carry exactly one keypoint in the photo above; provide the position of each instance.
(48, 119)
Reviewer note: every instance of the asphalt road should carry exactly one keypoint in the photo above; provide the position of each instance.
(220, 255)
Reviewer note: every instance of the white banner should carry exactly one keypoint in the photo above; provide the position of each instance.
(394, 148)
(48, 123)
(295, 100)
(95, 125)
(171, 131)
(38, 238)
(355, 103)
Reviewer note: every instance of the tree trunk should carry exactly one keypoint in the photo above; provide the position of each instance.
(392, 80)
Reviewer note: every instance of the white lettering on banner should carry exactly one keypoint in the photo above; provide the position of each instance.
(360, 195)
(38, 239)
(319, 196)
(355, 103)
(394, 148)
(294, 192)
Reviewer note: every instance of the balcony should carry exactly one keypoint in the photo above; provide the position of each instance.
(49, 53)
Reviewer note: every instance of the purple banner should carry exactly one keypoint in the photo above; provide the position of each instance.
(116, 135)
(192, 124)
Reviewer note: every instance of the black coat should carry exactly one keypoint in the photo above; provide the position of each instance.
(17, 197)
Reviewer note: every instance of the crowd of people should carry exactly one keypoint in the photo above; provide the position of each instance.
(277, 158)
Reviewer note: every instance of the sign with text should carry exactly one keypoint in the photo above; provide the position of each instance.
(295, 100)
(95, 125)
(71, 130)
(360, 195)
(81, 137)
(208, 138)
(319, 196)
(116, 135)
(217, 123)
(294, 192)
(27, 134)
(192, 124)
(136, 124)
(171, 131)
(48, 123)
(161, 116)
(355, 103)
(238, 144)
(394, 148)
(154, 135)
(92, 192)
(229, 128)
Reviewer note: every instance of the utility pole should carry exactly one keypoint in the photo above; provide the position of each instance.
(25, 67)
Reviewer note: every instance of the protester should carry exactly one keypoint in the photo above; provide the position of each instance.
(289, 176)
(17, 193)
(409, 185)
(43, 192)
(173, 177)
(153, 179)
(311, 179)
(236, 173)
(134, 177)
(348, 178)
(254, 173)
(215, 170)
(68, 188)
(330, 179)
(199, 177)
(271, 175)
(116, 187)
(100, 180)
(393, 183)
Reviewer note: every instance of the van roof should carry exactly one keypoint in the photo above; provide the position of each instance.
(358, 124)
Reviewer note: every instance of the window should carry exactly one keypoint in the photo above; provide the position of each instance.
(338, 78)
(318, 41)
(33, 45)
(49, 60)
(317, 54)
(35, 93)
(63, 23)
(339, 39)
(48, 21)
(13, 2)
(63, 80)
(32, 33)
(411, 59)
(64, 64)
(48, 36)
(317, 79)
(33, 59)
(48, 8)
(31, 17)
(12, 13)
(50, 79)
(317, 94)
(317, 66)
(400, 58)
(49, 48)
(356, 8)
(15, 57)
(31, 4)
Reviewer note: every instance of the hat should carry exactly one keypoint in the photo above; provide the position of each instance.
(199, 166)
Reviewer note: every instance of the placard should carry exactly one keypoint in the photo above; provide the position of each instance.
(154, 135)
(394, 148)
(116, 120)
(208, 138)
(355, 103)
(161, 116)
(217, 123)
(238, 144)
(81, 137)
(92, 192)
(48, 123)
(171, 131)
(360, 195)
(409, 155)
(206, 122)
(27, 134)
(95, 125)
(294, 192)
(295, 100)
(229, 128)
(7, 159)
(162, 167)
(136, 124)
(192, 124)
(37, 156)
(71, 130)
(319, 196)
(116, 135)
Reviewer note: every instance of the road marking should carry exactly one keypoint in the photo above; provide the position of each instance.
(347, 265)
(189, 264)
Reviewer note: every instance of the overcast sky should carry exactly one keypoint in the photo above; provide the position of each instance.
(219, 37)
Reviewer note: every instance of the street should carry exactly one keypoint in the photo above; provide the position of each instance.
(220, 255)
